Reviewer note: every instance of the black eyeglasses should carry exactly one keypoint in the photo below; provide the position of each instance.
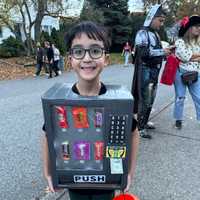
(94, 52)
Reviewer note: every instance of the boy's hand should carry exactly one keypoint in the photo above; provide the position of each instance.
(129, 180)
(167, 51)
(50, 183)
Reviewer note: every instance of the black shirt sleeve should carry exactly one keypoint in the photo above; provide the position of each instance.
(134, 124)
(43, 128)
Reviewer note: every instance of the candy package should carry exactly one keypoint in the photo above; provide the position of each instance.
(98, 150)
(82, 150)
(62, 117)
(98, 119)
(80, 117)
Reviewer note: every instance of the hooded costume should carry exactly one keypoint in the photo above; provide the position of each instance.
(148, 59)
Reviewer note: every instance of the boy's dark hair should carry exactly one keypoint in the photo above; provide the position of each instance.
(92, 30)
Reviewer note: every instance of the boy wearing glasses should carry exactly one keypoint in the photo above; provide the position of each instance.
(88, 46)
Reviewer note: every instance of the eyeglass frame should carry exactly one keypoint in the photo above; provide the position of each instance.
(87, 50)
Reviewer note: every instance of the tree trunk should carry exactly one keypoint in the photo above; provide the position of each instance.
(37, 28)
(38, 20)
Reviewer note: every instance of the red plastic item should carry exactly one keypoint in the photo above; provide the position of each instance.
(126, 196)
(169, 72)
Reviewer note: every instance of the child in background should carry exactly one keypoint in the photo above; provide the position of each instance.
(88, 46)
(126, 53)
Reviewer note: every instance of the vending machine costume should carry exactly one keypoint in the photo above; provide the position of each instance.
(88, 137)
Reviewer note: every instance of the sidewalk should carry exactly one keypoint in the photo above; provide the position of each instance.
(168, 166)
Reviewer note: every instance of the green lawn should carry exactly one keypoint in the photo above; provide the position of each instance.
(116, 58)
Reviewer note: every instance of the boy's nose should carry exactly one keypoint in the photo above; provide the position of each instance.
(87, 56)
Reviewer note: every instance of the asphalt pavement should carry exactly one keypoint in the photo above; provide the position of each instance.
(168, 166)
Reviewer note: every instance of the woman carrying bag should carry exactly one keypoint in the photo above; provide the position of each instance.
(188, 74)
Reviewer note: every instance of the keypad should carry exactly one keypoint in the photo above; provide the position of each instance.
(117, 129)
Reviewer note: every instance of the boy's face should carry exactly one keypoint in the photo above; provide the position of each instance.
(87, 64)
(157, 23)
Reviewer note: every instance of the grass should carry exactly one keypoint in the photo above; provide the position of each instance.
(116, 58)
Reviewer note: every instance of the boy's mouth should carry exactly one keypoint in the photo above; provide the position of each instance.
(88, 68)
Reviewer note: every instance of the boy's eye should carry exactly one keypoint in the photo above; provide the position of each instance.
(78, 52)
(95, 51)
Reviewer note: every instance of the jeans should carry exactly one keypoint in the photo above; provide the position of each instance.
(52, 68)
(149, 80)
(180, 92)
(126, 56)
(38, 68)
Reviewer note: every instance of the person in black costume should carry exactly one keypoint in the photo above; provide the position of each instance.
(50, 59)
(148, 60)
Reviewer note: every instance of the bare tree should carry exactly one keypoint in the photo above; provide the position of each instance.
(23, 8)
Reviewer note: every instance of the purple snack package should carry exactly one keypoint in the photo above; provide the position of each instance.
(98, 118)
(82, 150)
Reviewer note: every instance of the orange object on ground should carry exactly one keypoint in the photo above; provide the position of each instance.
(125, 196)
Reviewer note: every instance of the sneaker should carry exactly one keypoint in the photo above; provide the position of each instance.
(143, 133)
(35, 75)
(178, 124)
(150, 125)
(59, 72)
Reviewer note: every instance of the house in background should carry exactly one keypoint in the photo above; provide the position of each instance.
(71, 8)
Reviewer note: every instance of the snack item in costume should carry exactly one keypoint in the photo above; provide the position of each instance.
(80, 117)
(62, 117)
(98, 150)
(82, 150)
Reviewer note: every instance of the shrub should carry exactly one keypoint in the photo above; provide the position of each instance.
(11, 47)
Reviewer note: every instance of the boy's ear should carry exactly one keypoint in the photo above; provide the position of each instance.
(69, 60)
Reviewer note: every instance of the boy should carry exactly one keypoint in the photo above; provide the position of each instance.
(148, 61)
(88, 54)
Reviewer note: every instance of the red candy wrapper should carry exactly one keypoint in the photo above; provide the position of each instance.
(62, 117)
(80, 117)
(98, 150)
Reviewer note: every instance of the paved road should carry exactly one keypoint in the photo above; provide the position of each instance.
(168, 166)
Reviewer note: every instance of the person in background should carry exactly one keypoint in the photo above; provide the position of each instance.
(50, 59)
(126, 53)
(148, 61)
(39, 59)
(188, 52)
(56, 58)
(88, 46)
